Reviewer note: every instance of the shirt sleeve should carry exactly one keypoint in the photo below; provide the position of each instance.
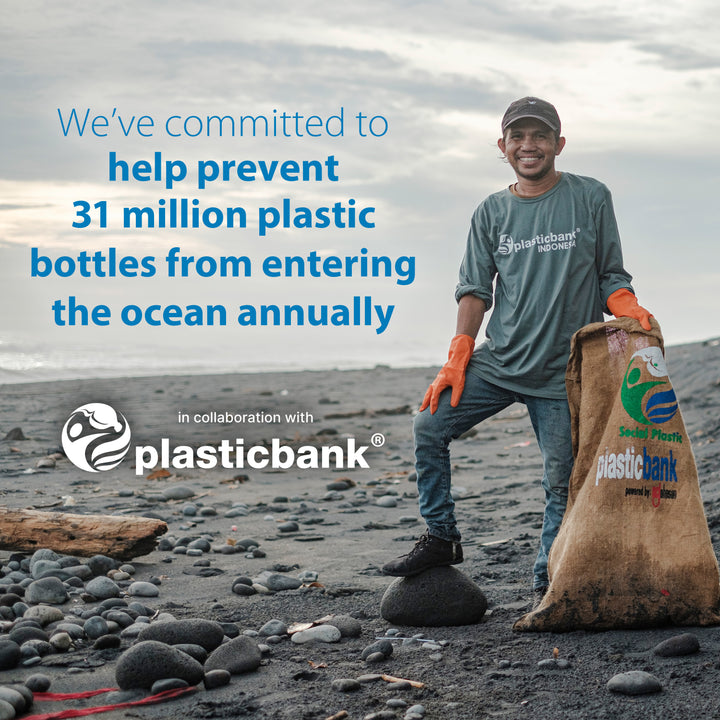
(477, 270)
(612, 275)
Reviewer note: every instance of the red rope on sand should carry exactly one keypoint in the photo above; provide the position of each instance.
(81, 712)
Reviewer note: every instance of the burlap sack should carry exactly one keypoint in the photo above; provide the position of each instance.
(634, 548)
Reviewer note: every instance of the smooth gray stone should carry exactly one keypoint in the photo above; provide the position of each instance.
(216, 678)
(382, 646)
(195, 631)
(677, 646)
(42, 554)
(318, 633)
(277, 582)
(95, 627)
(346, 624)
(7, 711)
(143, 664)
(143, 589)
(273, 627)
(103, 588)
(44, 614)
(240, 655)
(24, 633)
(634, 682)
(168, 684)
(41, 566)
(14, 697)
(46, 590)
(242, 589)
(38, 682)
(101, 564)
(178, 492)
(346, 685)
(441, 596)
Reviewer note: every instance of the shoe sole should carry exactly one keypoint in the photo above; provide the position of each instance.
(422, 570)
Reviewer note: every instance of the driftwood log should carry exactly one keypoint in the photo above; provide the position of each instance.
(122, 538)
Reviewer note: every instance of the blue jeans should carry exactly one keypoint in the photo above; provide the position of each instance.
(480, 400)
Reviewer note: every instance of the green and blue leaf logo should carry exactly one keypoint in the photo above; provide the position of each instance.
(647, 394)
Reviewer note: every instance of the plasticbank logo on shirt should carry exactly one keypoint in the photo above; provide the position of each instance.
(552, 242)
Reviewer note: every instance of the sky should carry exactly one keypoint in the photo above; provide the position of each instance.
(636, 86)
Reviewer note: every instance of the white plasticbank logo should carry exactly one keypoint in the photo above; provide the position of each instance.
(543, 243)
(96, 437)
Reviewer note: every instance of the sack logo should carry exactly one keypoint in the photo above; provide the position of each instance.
(646, 400)
(96, 437)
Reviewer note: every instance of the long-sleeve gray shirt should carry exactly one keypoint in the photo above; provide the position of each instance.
(548, 265)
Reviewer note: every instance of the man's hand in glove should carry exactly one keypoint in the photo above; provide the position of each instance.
(622, 303)
(452, 374)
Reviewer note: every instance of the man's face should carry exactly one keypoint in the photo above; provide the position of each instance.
(530, 147)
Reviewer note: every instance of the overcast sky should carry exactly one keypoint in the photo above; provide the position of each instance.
(637, 87)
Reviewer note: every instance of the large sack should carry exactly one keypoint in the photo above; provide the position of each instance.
(634, 548)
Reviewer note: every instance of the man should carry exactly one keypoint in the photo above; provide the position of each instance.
(549, 244)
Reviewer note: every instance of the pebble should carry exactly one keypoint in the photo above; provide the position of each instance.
(273, 627)
(9, 654)
(147, 661)
(100, 565)
(196, 631)
(634, 682)
(178, 492)
(318, 633)
(61, 641)
(277, 582)
(387, 501)
(105, 642)
(441, 596)
(46, 590)
(7, 711)
(141, 588)
(677, 646)
(102, 588)
(554, 664)
(239, 655)
(216, 678)
(22, 633)
(13, 697)
(44, 614)
(240, 588)
(288, 527)
(345, 685)
(168, 684)
(38, 682)
(381, 646)
(346, 624)
(95, 627)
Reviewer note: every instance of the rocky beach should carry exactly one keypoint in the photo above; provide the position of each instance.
(265, 594)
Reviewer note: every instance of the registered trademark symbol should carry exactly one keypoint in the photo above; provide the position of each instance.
(378, 440)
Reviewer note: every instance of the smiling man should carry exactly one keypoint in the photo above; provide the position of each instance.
(546, 252)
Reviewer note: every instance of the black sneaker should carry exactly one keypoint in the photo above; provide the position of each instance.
(538, 595)
(429, 552)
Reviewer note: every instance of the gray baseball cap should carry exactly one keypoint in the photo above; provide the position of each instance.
(531, 107)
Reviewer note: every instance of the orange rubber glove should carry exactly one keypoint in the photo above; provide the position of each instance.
(622, 303)
(452, 374)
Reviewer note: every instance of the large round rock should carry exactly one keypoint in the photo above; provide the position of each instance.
(142, 664)
(437, 597)
(194, 631)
